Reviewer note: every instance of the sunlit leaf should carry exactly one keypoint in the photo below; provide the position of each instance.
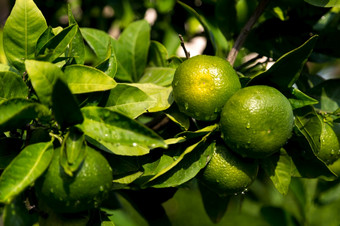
(21, 32)
(24, 170)
(86, 79)
(116, 133)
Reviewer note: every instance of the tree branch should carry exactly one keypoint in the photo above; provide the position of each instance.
(245, 31)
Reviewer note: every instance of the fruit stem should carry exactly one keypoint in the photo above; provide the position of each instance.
(187, 54)
(245, 31)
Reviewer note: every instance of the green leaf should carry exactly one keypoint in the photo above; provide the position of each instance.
(73, 151)
(134, 99)
(12, 85)
(21, 32)
(215, 206)
(158, 55)
(86, 79)
(161, 76)
(109, 65)
(58, 44)
(216, 37)
(98, 40)
(324, 3)
(278, 167)
(65, 106)
(301, 99)
(131, 50)
(77, 46)
(186, 166)
(15, 113)
(24, 170)
(9, 148)
(43, 76)
(116, 133)
(328, 95)
(304, 149)
(285, 76)
(178, 117)
(43, 39)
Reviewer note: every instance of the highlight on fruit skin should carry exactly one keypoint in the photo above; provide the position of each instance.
(329, 145)
(202, 85)
(85, 190)
(227, 173)
(257, 121)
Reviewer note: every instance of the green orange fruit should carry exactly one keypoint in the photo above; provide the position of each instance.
(256, 121)
(85, 190)
(202, 85)
(227, 173)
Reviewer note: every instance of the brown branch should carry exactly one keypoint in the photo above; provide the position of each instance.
(245, 31)
(187, 54)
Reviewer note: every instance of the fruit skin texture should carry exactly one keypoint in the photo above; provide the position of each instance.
(329, 145)
(256, 121)
(202, 85)
(228, 173)
(85, 190)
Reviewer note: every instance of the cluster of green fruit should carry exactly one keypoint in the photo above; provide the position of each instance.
(255, 121)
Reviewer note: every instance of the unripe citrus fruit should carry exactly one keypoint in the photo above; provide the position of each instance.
(256, 121)
(329, 145)
(227, 173)
(202, 85)
(85, 190)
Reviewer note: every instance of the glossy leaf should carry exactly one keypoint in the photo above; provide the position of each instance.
(24, 170)
(135, 99)
(161, 76)
(43, 76)
(109, 65)
(21, 32)
(99, 41)
(304, 151)
(65, 106)
(58, 44)
(301, 99)
(86, 79)
(43, 39)
(280, 74)
(73, 151)
(116, 133)
(15, 113)
(278, 167)
(324, 3)
(12, 85)
(158, 55)
(131, 50)
(178, 117)
(77, 46)
(186, 166)
(328, 95)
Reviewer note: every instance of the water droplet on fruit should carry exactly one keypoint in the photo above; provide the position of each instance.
(106, 135)
(248, 125)
(101, 188)
(134, 144)
(332, 152)
(235, 194)
(186, 106)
